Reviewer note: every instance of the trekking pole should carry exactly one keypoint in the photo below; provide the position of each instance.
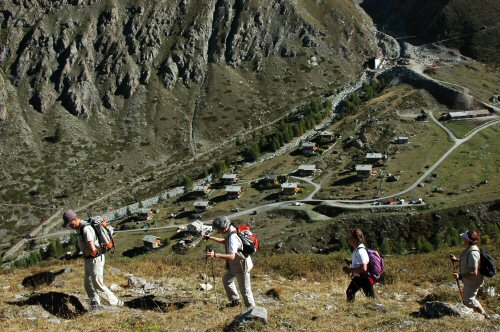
(461, 291)
(206, 274)
(213, 281)
(206, 237)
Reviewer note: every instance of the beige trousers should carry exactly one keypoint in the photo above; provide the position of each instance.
(243, 279)
(94, 282)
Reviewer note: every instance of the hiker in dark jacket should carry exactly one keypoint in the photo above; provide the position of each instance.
(359, 267)
(94, 262)
(469, 271)
(237, 266)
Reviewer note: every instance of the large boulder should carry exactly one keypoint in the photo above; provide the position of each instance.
(436, 309)
(253, 315)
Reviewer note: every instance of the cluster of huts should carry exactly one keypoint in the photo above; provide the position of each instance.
(374, 159)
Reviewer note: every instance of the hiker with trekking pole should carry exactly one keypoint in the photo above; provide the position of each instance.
(93, 244)
(366, 266)
(238, 265)
(469, 271)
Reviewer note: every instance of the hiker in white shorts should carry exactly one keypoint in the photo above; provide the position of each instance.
(237, 266)
(94, 262)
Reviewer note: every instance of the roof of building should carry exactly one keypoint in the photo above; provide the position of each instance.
(150, 238)
(326, 133)
(200, 188)
(360, 168)
(308, 145)
(402, 137)
(468, 113)
(201, 204)
(289, 185)
(307, 167)
(270, 178)
(196, 223)
(233, 189)
(230, 176)
(372, 155)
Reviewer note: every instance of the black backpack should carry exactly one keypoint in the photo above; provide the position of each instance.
(487, 264)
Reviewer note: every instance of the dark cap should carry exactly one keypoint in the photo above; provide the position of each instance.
(68, 216)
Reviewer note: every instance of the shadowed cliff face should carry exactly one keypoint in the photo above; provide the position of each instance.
(85, 53)
(432, 20)
(94, 94)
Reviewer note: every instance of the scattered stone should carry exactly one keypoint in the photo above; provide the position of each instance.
(114, 287)
(203, 276)
(421, 185)
(438, 190)
(136, 282)
(436, 309)
(328, 307)
(149, 286)
(491, 291)
(206, 287)
(484, 181)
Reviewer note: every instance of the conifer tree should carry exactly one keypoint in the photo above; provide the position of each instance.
(385, 247)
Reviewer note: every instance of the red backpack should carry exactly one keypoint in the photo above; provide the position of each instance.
(249, 240)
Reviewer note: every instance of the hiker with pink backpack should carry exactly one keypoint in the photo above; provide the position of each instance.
(366, 266)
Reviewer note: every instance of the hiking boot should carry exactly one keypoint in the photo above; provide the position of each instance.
(233, 303)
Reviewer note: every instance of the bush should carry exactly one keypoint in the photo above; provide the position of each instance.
(423, 245)
(385, 247)
(401, 246)
(55, 249)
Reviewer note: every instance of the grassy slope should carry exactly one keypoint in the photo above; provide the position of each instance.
(311, 290)
(481, 79)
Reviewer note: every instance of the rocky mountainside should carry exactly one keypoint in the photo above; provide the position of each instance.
(96, 92)
(431, 20)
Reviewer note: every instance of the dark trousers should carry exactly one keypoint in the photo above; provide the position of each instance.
(358, 283)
